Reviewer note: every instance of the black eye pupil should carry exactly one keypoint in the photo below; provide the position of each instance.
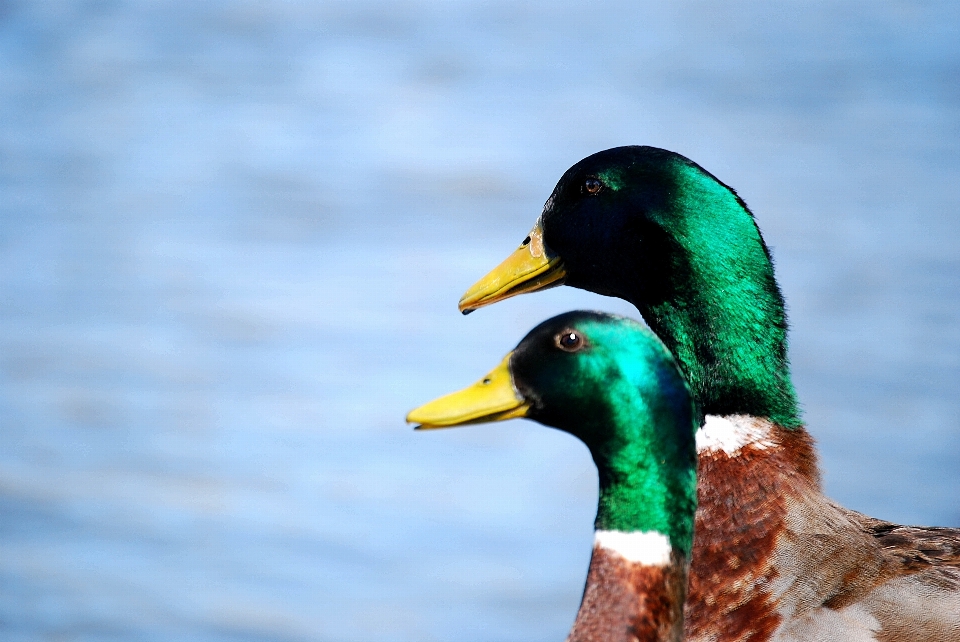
(592, 185)
(570, 340)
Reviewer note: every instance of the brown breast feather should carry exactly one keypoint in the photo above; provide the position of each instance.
(775, 559)
(773, 556)
(628, 602)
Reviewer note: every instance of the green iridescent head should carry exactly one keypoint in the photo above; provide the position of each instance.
(610, 382)
(652, 227)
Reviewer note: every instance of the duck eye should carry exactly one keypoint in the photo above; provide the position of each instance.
(569, 341)
(592, 185)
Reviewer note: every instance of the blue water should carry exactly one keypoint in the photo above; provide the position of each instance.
(233, 236)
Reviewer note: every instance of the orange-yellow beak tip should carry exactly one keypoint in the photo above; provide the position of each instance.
(493, 398)
(530, 268)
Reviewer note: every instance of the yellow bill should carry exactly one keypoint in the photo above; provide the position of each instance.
(531, 267)
(493, 398)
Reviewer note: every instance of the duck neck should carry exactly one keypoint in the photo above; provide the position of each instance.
(709, 292)
(643, 490)
(636, 585)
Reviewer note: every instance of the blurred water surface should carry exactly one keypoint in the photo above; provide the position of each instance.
(233, 236)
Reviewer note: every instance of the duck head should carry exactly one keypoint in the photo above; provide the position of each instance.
(610, 382)
(652, 227)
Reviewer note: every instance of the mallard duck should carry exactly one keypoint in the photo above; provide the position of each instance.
(610, 382)
(773, 558)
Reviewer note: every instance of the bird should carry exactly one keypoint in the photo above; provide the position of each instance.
(773, 557)
(610, 382)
